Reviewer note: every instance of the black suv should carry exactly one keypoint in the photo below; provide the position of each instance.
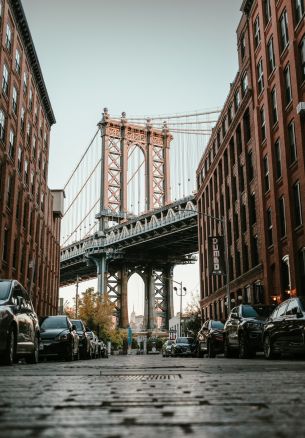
(210, 338)
(85, 349)
(243, 330)
(19, 327)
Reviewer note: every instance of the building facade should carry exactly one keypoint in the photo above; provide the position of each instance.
(30, 213)
(252, 172)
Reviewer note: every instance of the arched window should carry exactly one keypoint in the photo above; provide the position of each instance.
(2, 125)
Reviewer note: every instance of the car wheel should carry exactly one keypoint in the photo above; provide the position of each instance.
(211, 351)
(227, 350)
(70, 354)
(9, 353)
(77, 355)
(268, 349)
(34, 357)
(244, 351)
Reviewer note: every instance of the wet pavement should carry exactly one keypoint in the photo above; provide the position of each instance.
(151, 396)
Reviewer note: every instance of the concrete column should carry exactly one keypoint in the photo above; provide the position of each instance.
(101, 273)
(168, 273)
(146, 301)
(151, 299)
(124, 301)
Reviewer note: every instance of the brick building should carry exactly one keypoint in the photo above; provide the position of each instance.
(253, 170)
(30, 213)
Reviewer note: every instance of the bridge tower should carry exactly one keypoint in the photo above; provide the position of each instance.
(118, 138)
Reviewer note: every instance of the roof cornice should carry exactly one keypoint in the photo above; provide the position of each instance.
(246, 6)
(21, 21)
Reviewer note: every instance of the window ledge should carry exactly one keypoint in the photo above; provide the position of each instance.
(293, 164)
(299, 228)
(275, 126)
(288, 107)
(285, 51)
(272, 74)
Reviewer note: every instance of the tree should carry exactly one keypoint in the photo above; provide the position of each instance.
(193, 313)
(97, 312)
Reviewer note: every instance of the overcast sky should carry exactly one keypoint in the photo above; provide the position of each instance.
(138, 56)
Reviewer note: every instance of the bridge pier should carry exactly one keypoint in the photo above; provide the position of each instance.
(124, 322)
(101, 268)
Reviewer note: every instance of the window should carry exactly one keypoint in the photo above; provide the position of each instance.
(278, 161)
(25, 83)
(14, 100)
(236, 227)
(31, 100)
(19, 159)
(42, 201)
(255, 254)
(28, 133)
(5, 244)
(236, 100)
(267, 11)
(26, 172)
(232, 151)
(2, 125)
(9, 190)
(257, 33)
(17, 62)
(243, 218)
(223, 128)
(263, 124)
(11, 145)
(292, 143)
(8, 38)
(269, 228)
(32, 182)
(299, 10)
(230, 114)
(5, 80)
(247, 126)
(284, 30)
(302, 58)
(281, 206)
(266, 173)
(274, 106)
(34, 146)
(271, 58)
(297, 208)
(252, 209)
(260, 76)
(239, 143)
(244, 83)
(22, 120)
(250, 165)
(287, 80)
(242, 46)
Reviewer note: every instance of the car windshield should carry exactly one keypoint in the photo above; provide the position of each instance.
(256, 312)
(184, 340)
(217, 325)
(5, 287)
(54, 323)
(302, 299)
(78, 324)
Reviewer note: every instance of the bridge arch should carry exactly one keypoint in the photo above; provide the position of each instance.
(136, 300)
(136, 180)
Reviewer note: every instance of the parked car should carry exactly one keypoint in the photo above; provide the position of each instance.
(183, 346)
(103, 351)
(167, 348)
(84, 340)
(284, 331)
(19, 327)
(94, 344)
(243, 330)
(58, 338)
(210, 338)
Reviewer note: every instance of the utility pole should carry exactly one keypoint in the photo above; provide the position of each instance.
(76, 297)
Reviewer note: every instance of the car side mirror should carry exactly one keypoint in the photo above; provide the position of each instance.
(73, 327)
(234, 316)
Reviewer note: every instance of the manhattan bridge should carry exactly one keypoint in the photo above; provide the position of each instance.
(130, 208)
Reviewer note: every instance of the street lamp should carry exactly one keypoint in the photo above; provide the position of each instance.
(222, 221)
(180, 294)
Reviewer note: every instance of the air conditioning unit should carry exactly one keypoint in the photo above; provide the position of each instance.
(301, 108)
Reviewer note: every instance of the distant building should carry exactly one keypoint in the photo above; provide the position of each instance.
(136, 321)
(30, 213)
(253, 170)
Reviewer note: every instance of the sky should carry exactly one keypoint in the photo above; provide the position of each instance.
(142, 57)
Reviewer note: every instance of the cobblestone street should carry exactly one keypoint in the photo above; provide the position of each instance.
(148, 396)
